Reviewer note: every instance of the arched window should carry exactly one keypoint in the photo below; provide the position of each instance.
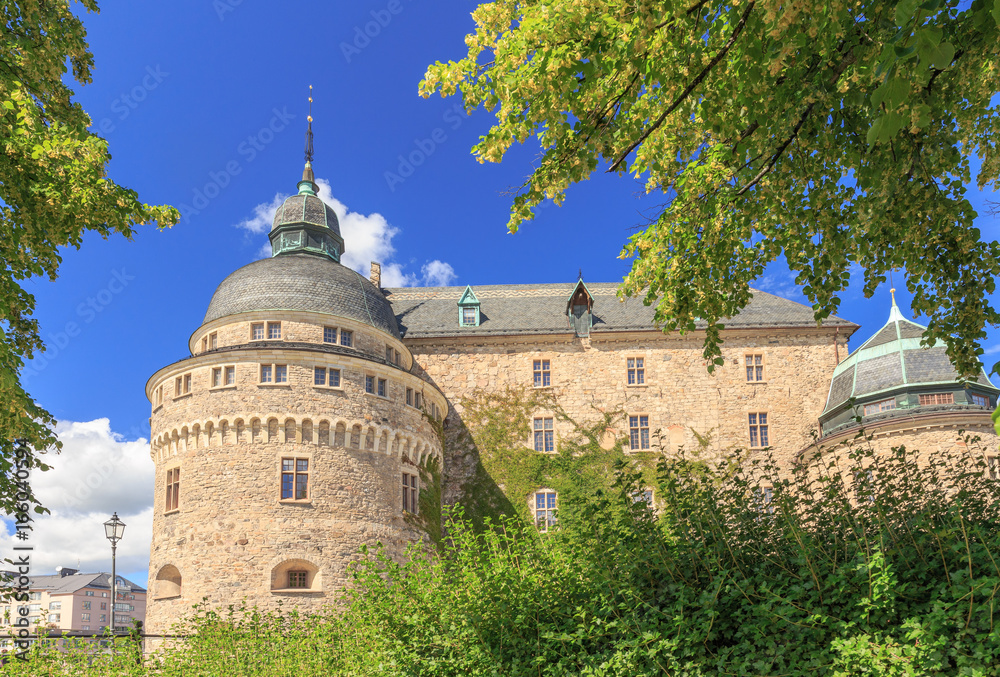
(324, 434)
(307, 431)
(168, 582)
(340, 435)
(255, 430)
(296, 575)
(272, 430)
(289, 430)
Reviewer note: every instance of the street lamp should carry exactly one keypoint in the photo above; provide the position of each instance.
(114, 529)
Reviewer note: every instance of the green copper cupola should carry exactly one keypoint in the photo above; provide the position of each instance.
(304, 224)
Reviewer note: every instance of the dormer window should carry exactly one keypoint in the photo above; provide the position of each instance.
(468, 309)
(580, 309)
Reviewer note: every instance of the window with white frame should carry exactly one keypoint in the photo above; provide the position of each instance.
(755, 367)
(545, 510)
(329, 334)
(636, 369)
(542, 373)
(173, 489)
(295, 479)
(257, 331)
(55, 606)
(411, 493)
(230, 377)
(266, 373)
(638, 432)
(545, 440)
(468, 316)
(217, 377)
(274, 373)
(182, 385)
(213, 341)
(758, 430)
(880, 406)
(274, 330)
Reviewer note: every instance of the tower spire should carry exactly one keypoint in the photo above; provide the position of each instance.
(894, 312)
(308, 183)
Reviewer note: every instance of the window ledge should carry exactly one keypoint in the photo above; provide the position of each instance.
(274, 385)
(376, 395)
(548, 387)
(295, 501)
(757, 383)
(165, 598)
(157, 408)
(336, 388)
(172, 512)
(216, 388)
(181, 397)
(286, 591)
(636, 385)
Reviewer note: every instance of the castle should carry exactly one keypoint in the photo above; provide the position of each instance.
(298, 428)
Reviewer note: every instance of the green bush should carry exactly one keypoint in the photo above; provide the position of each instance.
(841, 573)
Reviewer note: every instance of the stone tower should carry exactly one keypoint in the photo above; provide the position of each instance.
(292, 434)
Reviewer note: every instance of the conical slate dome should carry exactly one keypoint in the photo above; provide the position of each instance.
(304, 224)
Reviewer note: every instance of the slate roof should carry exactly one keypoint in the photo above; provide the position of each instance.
(890, 360)
(306, 209)
(62, 585)
(424, 312)
(303, 282)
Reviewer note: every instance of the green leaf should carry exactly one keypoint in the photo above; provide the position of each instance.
(940, 56)
(996, 11)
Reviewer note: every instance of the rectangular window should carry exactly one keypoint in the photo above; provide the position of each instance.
(638, 432)
(104, 618)
(937, 398)
(468, 317)
(346, 338)
(755, 368)
(545, 440)
(89, 593)
(55, 606)
(274, 330)
(298, 579)
(545, 510)
(543, 375)
(257, 331)
(216, 377)
(981, 400)
(84, 617)
(265, 373)
(204, 344)
(334, 378)
(879, 407)
(409, 396)
(763, 500)
(758, 430)
(383, 388)
(295, 478)
(280, 373)
(173, 488)
(369, 384)
(319, 376)
(645, 496)
(396, 359)
(388, 354)
(636, 367)
(187, 383)
(230, 376)
(86, 605)
(864, 485)
(178, 384)
(329, 334)
(417, 400)
(411, 493)
(993, 467)
(54, 618)
(213, 341)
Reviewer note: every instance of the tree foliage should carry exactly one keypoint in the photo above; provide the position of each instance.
(840, 133)
(53, 189)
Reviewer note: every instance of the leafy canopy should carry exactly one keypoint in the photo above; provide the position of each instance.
(837, 132)
(53, 188)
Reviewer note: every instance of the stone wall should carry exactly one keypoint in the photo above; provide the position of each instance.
(679, 395)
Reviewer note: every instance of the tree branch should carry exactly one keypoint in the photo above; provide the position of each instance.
(687, 90)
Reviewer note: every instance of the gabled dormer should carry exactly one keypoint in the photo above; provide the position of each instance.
(468, 309)
(580, 308)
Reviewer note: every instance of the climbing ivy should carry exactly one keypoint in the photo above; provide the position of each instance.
(498, 431)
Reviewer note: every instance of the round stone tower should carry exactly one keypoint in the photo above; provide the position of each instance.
(293, 434)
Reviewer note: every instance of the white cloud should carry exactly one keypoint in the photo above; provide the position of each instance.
(96, 474)
(782, 285)
(367, 238)
(992, 350)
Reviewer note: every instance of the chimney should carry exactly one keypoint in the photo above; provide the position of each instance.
(376, 275)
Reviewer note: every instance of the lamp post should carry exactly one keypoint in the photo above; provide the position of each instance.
(114, 529)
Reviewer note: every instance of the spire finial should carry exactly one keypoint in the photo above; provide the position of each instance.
(309, 130)
(894, 313)
(308, 183)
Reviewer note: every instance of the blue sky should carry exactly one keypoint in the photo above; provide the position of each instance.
(208, 98)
